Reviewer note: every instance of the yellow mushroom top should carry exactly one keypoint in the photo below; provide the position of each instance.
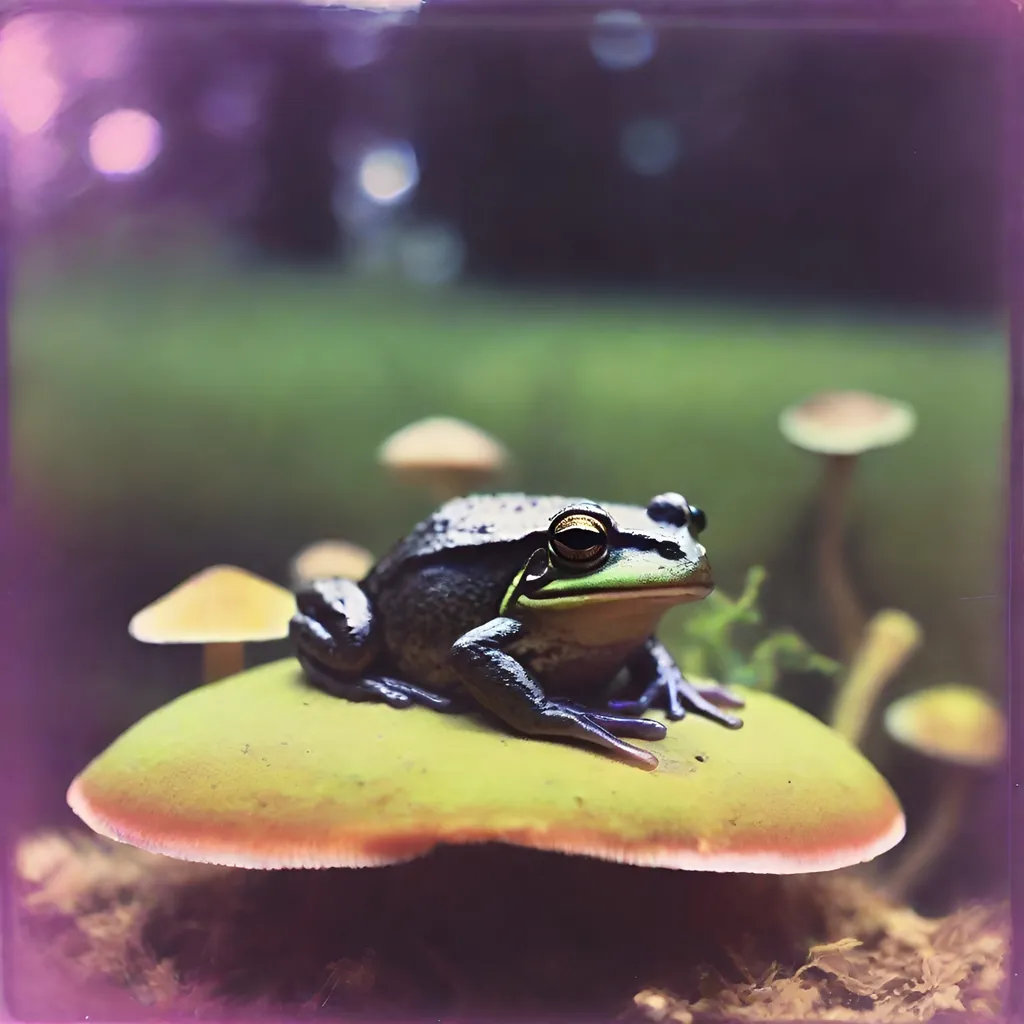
(847, 422)
(264, 771)
(330, 559)
(954, 723)
(222, 604)
(443, 443)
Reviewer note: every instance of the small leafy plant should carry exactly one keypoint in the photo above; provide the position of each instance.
(704, 641)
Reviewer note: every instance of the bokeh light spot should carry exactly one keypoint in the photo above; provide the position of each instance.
(32, 103)
(431, 254)
(621, 40)
(30, 94)
(124, 142)
(650, 146)
(387, 174)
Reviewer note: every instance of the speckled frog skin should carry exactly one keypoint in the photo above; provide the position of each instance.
(539, 611)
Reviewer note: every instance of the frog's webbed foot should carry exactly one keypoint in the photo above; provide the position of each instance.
(335, 643)
(504, 687)
(668, 688)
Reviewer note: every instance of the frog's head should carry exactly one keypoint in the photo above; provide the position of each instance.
(589, 558)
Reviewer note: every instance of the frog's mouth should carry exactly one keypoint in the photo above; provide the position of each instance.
(663, 594)
(668, 591)
(674, 593)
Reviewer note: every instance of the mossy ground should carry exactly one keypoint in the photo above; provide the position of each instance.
(107, 931)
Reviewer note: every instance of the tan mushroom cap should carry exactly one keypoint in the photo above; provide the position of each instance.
(263, 771)
(222, 604)
(442, 443)
(847, 422)
(953, 723)
(329, 559)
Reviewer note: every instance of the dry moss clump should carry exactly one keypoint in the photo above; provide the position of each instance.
(109, 931)
(880, 962)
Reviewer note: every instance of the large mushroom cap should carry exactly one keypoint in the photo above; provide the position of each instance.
(330, 559)
(953, 723)
(441, 443)
(847, 422)
(222, 604)
(263, 771)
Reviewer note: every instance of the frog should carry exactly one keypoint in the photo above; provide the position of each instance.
(538, 612)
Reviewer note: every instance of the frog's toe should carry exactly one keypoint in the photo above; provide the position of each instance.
(571, 722)
(675, 709)
(642, 703)
(413, 694)
(719, 695)
(375, 689)
(628, 725)
(685, 693)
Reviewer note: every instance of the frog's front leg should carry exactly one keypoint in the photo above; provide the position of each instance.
(505, 688)
(336, 644)
(664, 685)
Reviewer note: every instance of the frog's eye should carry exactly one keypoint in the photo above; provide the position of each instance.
(698, 521)
(579, 539)
(674, 509)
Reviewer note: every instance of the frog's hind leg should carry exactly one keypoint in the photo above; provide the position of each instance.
(505, 688)
(654, 668)
(395, 692)
(336, 644)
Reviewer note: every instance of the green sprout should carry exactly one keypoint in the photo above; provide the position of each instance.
(704, 643)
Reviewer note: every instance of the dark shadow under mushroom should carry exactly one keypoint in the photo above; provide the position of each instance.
(485, 932)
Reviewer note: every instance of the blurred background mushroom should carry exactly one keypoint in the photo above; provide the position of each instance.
(448, 456)
(889, 639)
(222, 608)
(963, 731)
(329, 559)
(841, 426)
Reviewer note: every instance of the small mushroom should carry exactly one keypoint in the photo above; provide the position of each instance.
(264, 771)
(329, 559)
(448, 456)
(222, 608)
(889, 639)
(963, 730)
(841, 425)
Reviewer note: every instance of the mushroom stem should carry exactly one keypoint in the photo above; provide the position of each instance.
(444, 486)
(889, 639)
(847, 614)
(935, 837)
(222, 660)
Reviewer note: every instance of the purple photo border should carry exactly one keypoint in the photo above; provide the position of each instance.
(1013, 207)
(1001, 20)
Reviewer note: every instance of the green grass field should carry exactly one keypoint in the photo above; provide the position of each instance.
(185, 404)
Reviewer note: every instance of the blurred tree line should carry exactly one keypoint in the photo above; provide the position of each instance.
(851, 167)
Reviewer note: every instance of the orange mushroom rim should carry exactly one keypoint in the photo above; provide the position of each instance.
(261, 770)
